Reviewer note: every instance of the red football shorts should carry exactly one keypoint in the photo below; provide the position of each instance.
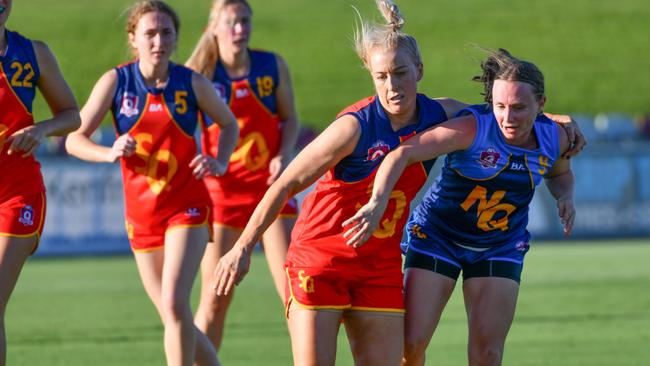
(344, 289)
(150, 235)
(23, 216)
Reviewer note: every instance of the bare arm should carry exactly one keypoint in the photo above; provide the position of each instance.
(451, 106)
(57, 94)
(560, 183)
(336, 142)
(576, 138)
(288, 120)
(79, 143)
(453, 135)
(219, 112)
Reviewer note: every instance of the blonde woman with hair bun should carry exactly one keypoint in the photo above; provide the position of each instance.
(331, 281)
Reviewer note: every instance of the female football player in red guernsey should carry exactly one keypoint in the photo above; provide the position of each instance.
(25, 65)
(257, 87)
(327, 280)
(155, 104)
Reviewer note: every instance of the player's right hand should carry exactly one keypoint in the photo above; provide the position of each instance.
(231, 269)
(124, 146)
(363, 224)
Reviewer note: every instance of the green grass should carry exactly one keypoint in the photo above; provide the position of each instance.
(581, 303)
(594, 52)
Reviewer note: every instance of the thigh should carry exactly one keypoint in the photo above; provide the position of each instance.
(490, 303)
(184, 248)
(375, 338)
(427, 294)
(313, 335)
(150, 267)
(13, 253)
(223, 239)
(276, 243)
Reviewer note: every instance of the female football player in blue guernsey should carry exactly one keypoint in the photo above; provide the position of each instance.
(257, 87)
(155, 104)
(473, 219)
(328, 281)
(25, 66)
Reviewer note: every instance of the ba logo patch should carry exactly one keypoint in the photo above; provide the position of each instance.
(489, 158)
(155, 107)
(129, 105)
(377, 150)
(26, 215)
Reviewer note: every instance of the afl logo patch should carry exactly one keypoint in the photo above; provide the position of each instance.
(26, 215)
(129, 105)
(377, 150)
(489, 158)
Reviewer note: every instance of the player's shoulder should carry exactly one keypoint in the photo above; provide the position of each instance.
(358, 106)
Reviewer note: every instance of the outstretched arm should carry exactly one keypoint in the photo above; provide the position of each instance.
(576, 138)
(57, 94)
(453, 135)
(560, 183)
(336, 142)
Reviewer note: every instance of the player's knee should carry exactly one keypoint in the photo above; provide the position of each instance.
(414, 347)
(485, 354)
(175, 308)
(217, 304)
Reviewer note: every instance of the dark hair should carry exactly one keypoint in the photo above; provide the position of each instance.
(501, 65)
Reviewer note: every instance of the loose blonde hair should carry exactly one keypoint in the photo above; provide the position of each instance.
(387, 37)
(206, 53)
(137, 10)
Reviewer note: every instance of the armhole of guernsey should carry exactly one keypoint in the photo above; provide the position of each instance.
(31, 54)
(120, 83)
(481, 128)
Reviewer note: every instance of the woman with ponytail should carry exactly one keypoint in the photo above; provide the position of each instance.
(257, 87)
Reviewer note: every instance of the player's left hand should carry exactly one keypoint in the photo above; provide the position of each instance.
(577, 139)
(363, 224)
(276, 167)
(206, 166)
(26, 140)
(231, 269)
(567, 212)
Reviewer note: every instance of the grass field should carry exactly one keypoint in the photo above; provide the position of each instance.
(594, 52)
(581, 303)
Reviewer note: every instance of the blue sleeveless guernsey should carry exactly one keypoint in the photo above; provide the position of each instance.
(482, 195)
